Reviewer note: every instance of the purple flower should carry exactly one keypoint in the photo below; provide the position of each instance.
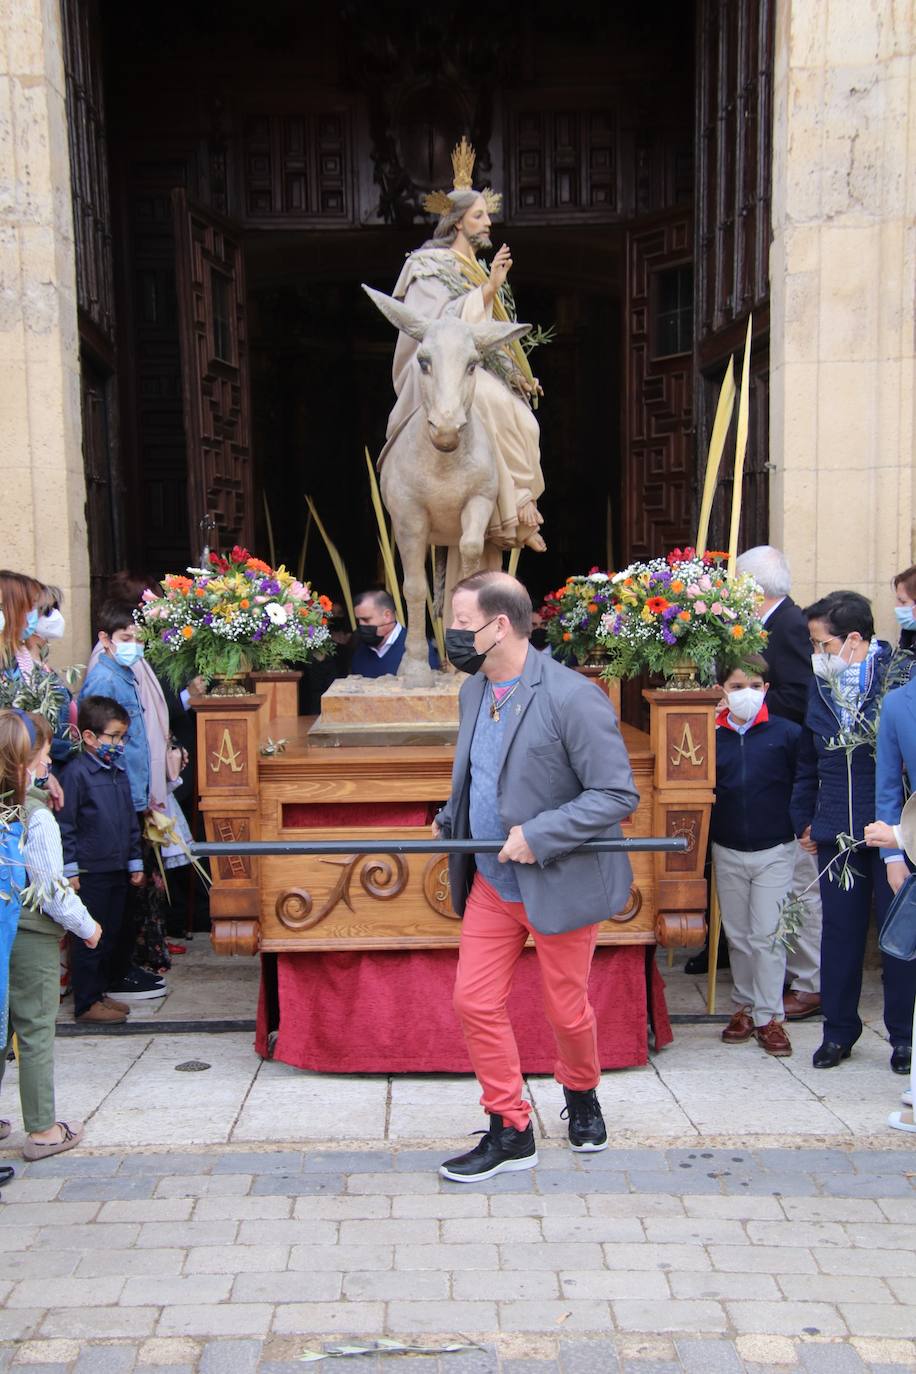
(168, 634)
(249, 574)
(667, 636)
(258, 634)
(670, 612)
(208, 619)
(270, 587)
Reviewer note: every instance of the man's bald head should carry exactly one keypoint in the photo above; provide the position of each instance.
(499, 594)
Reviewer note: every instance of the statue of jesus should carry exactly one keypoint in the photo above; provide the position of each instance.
(445, 276)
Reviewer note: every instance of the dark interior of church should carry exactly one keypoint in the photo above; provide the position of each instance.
(289, 146)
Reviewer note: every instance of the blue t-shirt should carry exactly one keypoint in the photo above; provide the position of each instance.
(486, 822)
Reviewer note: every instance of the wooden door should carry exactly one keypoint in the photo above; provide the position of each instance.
(658, 448)
(210, 282)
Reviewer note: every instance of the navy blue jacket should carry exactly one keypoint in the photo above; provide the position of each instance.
(98, 822)
(755, 773)
(821, 795)
(367, 663)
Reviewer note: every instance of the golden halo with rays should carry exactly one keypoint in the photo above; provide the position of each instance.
(463, 159)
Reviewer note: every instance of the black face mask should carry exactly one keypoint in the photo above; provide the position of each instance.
(460, 650)
(369, 635)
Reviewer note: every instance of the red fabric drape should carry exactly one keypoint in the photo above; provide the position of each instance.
(391, 1012)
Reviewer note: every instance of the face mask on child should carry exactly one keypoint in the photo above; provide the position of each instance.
(128, 653)
(107, 752)
(745, 702)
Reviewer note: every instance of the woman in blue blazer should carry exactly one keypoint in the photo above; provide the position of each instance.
(835, 795)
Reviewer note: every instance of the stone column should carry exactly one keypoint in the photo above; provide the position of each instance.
(42, 483)
(843, 276)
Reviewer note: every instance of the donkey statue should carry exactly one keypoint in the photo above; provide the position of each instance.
(438, 475)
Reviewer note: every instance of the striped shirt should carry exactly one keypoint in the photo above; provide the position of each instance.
(44, 862)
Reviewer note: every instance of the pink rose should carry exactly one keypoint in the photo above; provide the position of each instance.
(693, 590)
(705, 583)
(716, 608)
(700, 608)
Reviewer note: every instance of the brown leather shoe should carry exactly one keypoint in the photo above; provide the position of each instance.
(739, 1028)
(772, 1038)
(102, 1014)
(798, 1006)
(113, 1002)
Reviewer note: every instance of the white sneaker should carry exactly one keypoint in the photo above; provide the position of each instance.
(907, 1098)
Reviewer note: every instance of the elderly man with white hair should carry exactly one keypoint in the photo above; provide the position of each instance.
(788, 653)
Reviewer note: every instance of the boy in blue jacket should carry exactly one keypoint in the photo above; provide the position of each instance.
(753, 846)
(100, 833)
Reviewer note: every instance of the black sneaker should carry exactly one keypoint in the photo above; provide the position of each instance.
(502, 1150)
(147, 973)
(587, 1131)
(138, 986)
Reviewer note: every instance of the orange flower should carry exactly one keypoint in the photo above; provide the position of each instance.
(186, 631)
(258, 565)
(593, 606)
(566, 636)
(737, 632)
(657, 604)
(677, 585)
(177, 583)
(244, 603)
(325, 603)
(200, 591)
(684, 615)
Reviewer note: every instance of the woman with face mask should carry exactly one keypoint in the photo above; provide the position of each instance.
(834, 796)
(22, 653)
(905, 607)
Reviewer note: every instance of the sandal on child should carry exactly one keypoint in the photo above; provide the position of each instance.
(5, 1129)
(902, 1121)
(37, 1149)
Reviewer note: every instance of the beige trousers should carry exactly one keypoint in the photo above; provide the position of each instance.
(751, 887)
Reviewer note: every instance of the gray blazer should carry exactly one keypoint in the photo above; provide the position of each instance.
(565, 778)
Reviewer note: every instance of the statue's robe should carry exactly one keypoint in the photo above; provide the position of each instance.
(508, 420)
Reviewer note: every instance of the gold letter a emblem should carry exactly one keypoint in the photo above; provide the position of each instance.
(226, 755)
(687, 749)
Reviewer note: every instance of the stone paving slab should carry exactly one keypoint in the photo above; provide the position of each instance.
(695, 1274)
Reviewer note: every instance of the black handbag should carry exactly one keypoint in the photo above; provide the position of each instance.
(898, 934)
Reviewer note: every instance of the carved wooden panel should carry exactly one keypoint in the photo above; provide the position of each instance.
(562, 163)
(734, 178)
(735, 155)
(659, 465)
(210, 277)
(89, 163)
(295, 168)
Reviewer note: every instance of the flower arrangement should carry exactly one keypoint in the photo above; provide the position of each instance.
(680, 608)
(572, 615)
(235, 615)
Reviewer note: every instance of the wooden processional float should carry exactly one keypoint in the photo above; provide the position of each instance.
(357, 773)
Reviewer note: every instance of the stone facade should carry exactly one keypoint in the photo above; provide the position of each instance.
(843, 270)
(42, 511)
(843, 275)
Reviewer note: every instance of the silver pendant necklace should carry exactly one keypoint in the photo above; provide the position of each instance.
(496, 705)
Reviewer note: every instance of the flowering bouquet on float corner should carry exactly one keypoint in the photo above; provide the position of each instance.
(572, 615)
(236, 615)
(680, 609)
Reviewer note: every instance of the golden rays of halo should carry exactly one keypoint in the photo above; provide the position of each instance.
(463, 159)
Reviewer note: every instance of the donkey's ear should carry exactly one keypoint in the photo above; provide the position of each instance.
(397, 313)
(495, 333)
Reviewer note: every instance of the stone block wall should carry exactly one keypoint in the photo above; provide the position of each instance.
(843, 275)
(42, 483)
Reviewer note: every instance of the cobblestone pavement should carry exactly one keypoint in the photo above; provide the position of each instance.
(640, 1261)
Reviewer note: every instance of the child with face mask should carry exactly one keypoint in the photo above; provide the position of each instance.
(101, 842)
(753, 848)
(34, 981)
